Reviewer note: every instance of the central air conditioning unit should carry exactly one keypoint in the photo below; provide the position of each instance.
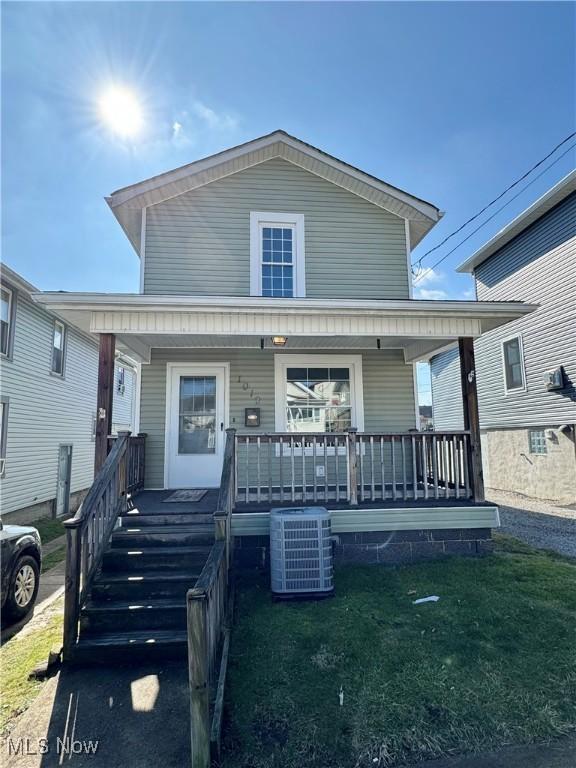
(301, 552)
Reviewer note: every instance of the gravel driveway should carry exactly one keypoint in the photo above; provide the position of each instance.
(539, 523)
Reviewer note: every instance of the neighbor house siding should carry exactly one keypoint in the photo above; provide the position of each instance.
(539, 267)
(123, 407)
(199, 242)
(46, 411)
(388, 393)
(447, 406)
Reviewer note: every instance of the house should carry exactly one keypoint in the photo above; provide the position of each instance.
(277, 337)
(527, 369)
(48, 370)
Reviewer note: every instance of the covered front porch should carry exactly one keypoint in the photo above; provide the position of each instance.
(309, 401)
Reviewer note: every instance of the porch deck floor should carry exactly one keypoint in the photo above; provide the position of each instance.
(265, 506)
(153, 503)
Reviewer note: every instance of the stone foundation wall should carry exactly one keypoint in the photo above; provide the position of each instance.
(386, 547)
(34, 512)
(509, 465)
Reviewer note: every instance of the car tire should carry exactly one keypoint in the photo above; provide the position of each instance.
(23, 588)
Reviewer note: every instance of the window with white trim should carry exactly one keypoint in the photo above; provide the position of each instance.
(513, 362)
(537, 441)
(58, 344)
(5, 321)
(318, 393)
(277, 255)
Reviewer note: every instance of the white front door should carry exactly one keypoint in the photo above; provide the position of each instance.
(195, 424)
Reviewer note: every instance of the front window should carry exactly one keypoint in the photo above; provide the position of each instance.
(318, 399)
(318, 393)
(5, 321)
(277, 255)
(58, 348)
(513, 363)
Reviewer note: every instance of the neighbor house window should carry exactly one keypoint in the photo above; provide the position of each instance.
(5, 321)
(277, 255)
(121, 381)
(320, 393)
(3, 434)
(513, 360)
(537, 440)
(58, 348)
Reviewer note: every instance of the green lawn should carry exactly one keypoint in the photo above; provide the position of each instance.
(49, 528)
(492, 663)
(54, 558)
(19, 656)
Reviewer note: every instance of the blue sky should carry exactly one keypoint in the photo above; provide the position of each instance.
(450, 101)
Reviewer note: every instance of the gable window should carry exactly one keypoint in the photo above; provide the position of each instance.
(513, 362)
(318, 393)
(277, 255)
(58, 342)
(537, 441)
(5, 321)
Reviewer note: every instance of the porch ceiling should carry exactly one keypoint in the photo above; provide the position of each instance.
(141, 322)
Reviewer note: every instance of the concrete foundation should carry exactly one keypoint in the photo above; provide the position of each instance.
(509, 465)
(43, 509)
(385, 547)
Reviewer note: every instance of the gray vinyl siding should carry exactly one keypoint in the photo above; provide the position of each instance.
(538, 266)
(199, 242)
(388, 393)
(122, 411)
(46, 411)
(447, 407)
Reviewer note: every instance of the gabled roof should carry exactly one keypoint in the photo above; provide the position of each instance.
(553, 197)
(127, 203)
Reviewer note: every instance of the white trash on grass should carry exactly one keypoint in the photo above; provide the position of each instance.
(431, 599)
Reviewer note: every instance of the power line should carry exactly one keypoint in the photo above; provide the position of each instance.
(501, 195)
(429, 269)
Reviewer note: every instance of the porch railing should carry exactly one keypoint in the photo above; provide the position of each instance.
(88, 532)
(352, 467)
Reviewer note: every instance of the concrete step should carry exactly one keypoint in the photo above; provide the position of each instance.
(133, 615)
(167, 517)
(130, 647)
(155, 558)
(143, 585)
(136, 536)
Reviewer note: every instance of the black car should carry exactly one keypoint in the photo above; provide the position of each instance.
(21, 555)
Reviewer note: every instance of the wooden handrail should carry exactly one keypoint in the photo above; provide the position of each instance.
(207, 620)
(88, 532)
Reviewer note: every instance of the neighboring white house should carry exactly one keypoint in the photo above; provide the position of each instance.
(49, 370)
(527, 370)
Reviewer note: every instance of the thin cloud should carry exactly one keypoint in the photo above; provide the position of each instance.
(431, 294)
(217, 120)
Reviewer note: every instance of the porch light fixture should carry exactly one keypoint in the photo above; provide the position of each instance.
(279, 341)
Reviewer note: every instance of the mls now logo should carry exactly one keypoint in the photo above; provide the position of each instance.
(75, 747)
(67, 747)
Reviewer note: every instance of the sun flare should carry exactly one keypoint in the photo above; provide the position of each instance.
(120, 111)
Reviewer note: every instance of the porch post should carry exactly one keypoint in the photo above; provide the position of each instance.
(105, 397)
(471, 417)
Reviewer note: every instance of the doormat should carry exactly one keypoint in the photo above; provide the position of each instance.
(188, 495)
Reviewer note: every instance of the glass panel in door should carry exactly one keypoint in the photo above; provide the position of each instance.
(197, 415)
